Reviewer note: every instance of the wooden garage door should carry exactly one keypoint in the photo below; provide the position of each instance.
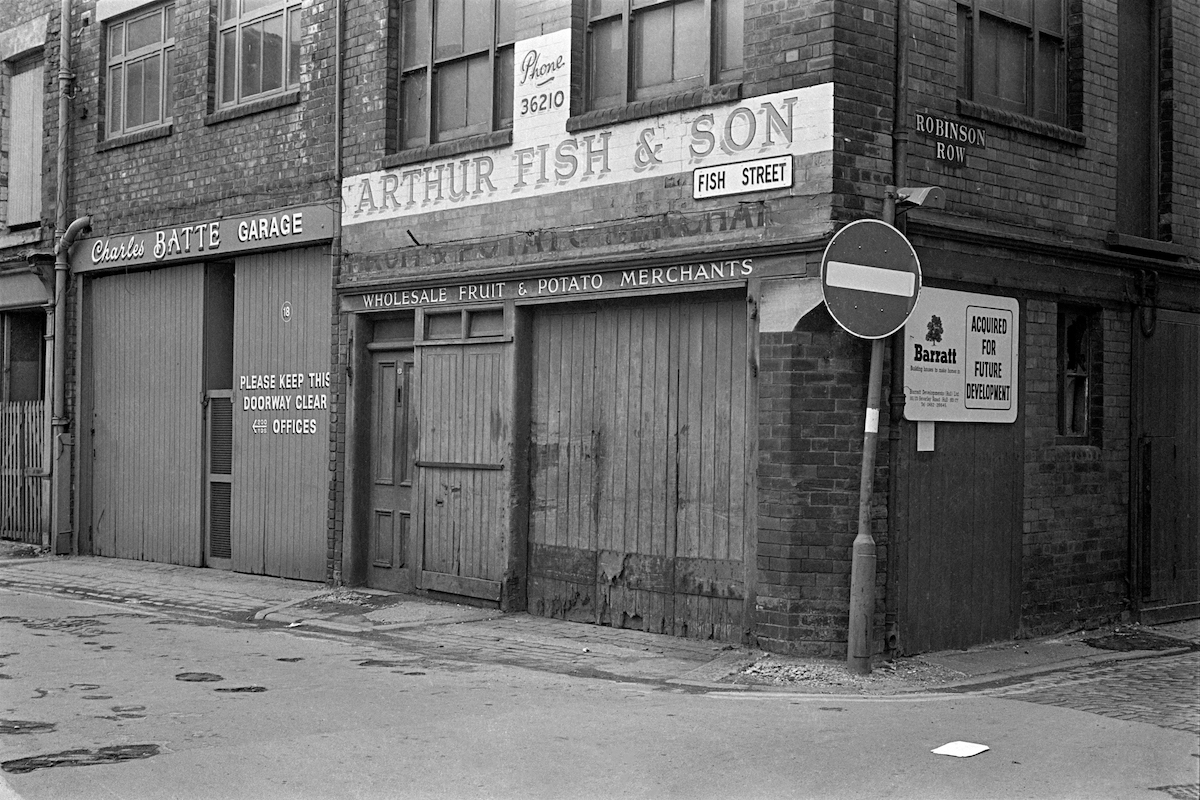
(639, 501)
(1167, 466)
(280, 480)
(146, 347)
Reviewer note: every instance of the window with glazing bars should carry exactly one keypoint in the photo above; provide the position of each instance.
(456, 69)
(1012, 55)
(637, 49)
(141, 70)
(258, 49)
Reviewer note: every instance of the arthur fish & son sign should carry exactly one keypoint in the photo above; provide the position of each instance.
(191, 241)
(743, 146)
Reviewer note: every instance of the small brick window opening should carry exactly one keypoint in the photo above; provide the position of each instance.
(1078, 374)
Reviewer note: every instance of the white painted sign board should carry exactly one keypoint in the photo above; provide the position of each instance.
(759, 175)
(961, 358)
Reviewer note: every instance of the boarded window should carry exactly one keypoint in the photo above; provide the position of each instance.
(26, 100)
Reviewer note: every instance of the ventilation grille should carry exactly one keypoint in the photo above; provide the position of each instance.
(218, 521)
(220, 437)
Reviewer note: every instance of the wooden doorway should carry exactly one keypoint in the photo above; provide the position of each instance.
(391, 470)
(959, 524)
(1167, 469)
(462, 468)
(640, 495)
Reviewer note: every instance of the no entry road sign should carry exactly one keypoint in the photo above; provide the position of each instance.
(870, 278)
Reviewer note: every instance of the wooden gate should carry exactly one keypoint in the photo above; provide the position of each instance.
(462, 476)
(958, 534)
(146, 348)
(1167, 469)
(639, 496)
(21, 444)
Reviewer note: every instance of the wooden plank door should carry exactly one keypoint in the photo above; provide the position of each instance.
(959, 536)
(392, 456)
(1167, 469)
(638, 495)
(279, 508)
(462, 474)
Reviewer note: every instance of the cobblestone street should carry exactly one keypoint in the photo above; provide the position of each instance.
(1159, 691)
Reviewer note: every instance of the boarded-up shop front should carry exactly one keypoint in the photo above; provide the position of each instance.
(204, 374)
(638, 495)
(585, 459)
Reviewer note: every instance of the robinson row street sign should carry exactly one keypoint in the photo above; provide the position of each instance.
(870, 278)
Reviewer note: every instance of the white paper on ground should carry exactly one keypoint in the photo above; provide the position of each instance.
(960, 749)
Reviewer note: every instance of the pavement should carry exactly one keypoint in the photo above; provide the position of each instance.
(455, 631)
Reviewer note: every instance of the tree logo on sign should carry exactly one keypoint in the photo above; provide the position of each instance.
(934, 330)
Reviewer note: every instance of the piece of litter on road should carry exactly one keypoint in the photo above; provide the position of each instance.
(960, 749)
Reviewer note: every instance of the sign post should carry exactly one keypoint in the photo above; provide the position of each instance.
(870, 280)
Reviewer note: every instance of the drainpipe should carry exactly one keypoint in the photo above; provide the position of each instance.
(900, 135)
(59, 466)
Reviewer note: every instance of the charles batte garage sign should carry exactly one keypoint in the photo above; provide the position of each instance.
(193, 241)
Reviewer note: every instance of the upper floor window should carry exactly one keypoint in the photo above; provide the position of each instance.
(258, 49)
(1012, 55)
(456, 69)
(23, 137)
(637, 49)
(141, 70)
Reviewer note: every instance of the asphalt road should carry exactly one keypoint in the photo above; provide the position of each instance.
(98, 701)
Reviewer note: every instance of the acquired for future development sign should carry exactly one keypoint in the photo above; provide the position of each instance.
(960, 358)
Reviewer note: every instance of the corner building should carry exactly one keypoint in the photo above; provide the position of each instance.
(586, 364)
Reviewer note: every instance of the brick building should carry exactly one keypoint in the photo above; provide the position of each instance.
(563, 348)
(202, 162)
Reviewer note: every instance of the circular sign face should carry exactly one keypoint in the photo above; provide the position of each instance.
(870, 278)
(285, 313)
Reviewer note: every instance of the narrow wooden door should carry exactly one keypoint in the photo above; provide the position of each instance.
(1167, 469)
(959, 536)
(391, 469)
(462, 472)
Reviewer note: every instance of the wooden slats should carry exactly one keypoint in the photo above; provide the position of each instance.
(645, 526)
(22, 427)
(25, 144)
(281, 479)
(147, 418)
(462, 481)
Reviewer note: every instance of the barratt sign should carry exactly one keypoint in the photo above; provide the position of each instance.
(960, 358)
(196, 240)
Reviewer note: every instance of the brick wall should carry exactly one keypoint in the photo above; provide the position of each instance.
(204, 169)
(1075, 549)
(1055, 182)
(812, 397)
